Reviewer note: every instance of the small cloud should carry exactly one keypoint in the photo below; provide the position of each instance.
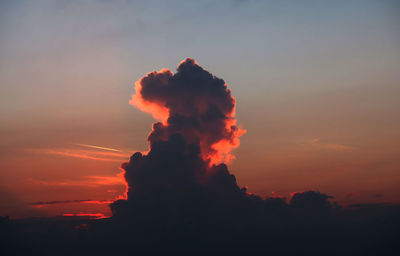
(330, 146)
(314, 141)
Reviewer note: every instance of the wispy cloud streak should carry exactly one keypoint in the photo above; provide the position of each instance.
(95, 155)
(98, 147)
(86, 181)
(331, 146)
(79, 154)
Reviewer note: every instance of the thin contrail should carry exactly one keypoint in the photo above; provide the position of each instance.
(98, 147)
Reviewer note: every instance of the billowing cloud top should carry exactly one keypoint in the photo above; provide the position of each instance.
(194, 103)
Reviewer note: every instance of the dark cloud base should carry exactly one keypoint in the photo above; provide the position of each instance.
(268, 227)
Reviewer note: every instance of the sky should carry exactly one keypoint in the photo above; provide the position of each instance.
(316, 85)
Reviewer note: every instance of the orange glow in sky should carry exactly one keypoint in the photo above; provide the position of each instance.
(317, 97)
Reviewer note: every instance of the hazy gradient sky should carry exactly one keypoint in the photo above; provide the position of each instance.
(317, 85)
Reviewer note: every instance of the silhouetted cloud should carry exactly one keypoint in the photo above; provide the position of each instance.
(178, 191)
(179, 176)
(310, 200)
(198, 131)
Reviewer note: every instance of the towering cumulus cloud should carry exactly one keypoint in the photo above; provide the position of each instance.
(182, 198)
(196, 134)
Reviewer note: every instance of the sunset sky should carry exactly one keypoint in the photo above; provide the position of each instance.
(316, 86)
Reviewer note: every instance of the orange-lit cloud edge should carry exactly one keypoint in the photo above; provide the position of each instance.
(221, 150)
